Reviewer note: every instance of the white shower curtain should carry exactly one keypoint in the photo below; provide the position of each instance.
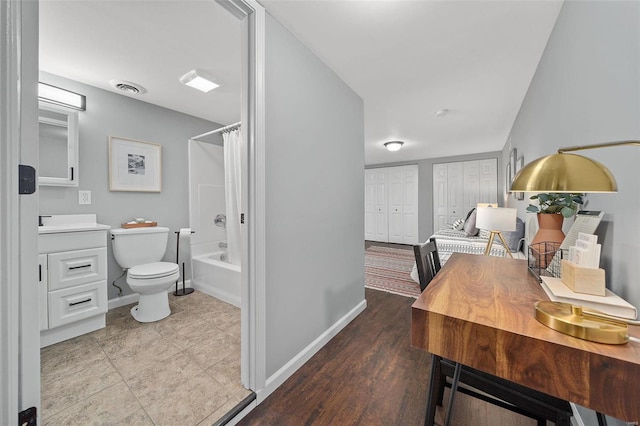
(232, 168)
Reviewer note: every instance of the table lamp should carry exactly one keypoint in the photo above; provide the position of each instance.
(496, 220)
(574, 173)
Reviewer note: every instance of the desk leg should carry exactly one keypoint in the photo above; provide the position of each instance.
(434, 390)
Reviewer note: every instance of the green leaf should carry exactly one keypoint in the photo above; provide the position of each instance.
(567, 212)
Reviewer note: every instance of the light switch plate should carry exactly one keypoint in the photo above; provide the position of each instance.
(84, 197)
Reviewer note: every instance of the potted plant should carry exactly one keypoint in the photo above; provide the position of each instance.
(552, 208)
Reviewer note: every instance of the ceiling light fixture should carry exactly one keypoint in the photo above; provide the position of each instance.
(199, 80)
(394, 145)
(441, 112)
(57, 96)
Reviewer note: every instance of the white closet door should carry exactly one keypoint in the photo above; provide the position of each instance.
(455, 192)
(396, 228)
(440, 203)
(488, 181)
(410, 204)
(471, 185)
(459, 187)
(382, 208)
(369, 204)
(375, 205)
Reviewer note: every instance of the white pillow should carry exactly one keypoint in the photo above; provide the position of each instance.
(458, 225)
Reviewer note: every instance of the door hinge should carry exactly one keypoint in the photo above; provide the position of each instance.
(241, 217)
(26, 179)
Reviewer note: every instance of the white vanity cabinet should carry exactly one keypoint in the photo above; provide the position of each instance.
(73, 296)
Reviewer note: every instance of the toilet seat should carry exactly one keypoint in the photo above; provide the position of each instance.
(153, 270)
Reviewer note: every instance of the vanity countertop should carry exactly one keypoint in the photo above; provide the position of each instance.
(70, 223)
(78, 227)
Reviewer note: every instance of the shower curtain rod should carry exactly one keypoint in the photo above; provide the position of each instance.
(221, 129)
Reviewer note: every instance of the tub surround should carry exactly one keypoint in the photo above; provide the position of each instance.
(72, 276)
(216, 277)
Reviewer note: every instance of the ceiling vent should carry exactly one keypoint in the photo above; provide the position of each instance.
(128, 87)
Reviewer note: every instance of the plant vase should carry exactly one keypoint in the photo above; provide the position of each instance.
(548, 239)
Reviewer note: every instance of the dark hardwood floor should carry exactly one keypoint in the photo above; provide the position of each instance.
(368, 374)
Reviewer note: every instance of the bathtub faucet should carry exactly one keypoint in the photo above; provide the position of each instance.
(222, 244)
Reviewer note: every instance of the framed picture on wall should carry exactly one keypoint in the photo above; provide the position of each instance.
(519, 165)
(507, 178)
(513, 155)
(134, 165)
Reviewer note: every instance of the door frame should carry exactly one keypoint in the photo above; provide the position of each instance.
(10, 49)
(13, 390)
(253, 300)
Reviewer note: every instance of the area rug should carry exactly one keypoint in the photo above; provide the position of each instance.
(388, 269)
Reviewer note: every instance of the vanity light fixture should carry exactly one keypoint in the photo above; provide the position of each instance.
(57, 96)
(199, 80)
(393, 145)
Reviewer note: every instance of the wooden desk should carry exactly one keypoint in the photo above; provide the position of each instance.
(479, 311)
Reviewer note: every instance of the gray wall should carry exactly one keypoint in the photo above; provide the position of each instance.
(110, 114)
(587, 90)
(425, 185)
(315, 198)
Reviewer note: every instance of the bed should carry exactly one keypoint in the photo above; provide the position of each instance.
(466, 240)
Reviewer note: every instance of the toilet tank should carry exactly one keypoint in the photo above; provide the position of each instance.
(137, 246)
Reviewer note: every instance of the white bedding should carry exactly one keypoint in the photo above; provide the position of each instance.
(449, 241)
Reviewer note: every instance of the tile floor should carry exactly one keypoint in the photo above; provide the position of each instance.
(182, 370)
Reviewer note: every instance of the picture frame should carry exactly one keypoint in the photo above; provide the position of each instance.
(134, 165)
(519, 165)
(513, 155)
(507, 178)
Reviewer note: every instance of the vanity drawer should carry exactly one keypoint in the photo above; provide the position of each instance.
(70, 268)
(76, 303)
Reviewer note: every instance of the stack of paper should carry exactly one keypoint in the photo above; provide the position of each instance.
(610, 304)
(586, 251)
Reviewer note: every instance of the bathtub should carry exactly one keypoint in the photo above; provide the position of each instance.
(216, 277)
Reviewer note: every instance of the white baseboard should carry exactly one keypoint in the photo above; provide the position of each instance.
(279, 377)
(133, 297)
(123, 300)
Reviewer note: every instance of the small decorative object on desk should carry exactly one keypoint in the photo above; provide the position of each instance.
(544, 259)
(580, 271)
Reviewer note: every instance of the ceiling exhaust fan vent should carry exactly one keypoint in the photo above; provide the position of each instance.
(128, 87)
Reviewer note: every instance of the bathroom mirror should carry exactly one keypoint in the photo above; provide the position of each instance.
(58, 145)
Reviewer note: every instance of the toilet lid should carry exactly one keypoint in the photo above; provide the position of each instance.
(153, 270)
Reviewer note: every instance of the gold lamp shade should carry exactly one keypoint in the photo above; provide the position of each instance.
(564, 173)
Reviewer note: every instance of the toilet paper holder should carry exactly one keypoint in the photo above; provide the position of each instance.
(183, 291)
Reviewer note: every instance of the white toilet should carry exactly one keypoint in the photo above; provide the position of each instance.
(140, 250)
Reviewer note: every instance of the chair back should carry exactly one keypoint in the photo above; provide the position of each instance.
(427, 261)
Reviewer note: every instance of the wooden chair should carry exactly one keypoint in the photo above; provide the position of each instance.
(427, 261)
(497, 391)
